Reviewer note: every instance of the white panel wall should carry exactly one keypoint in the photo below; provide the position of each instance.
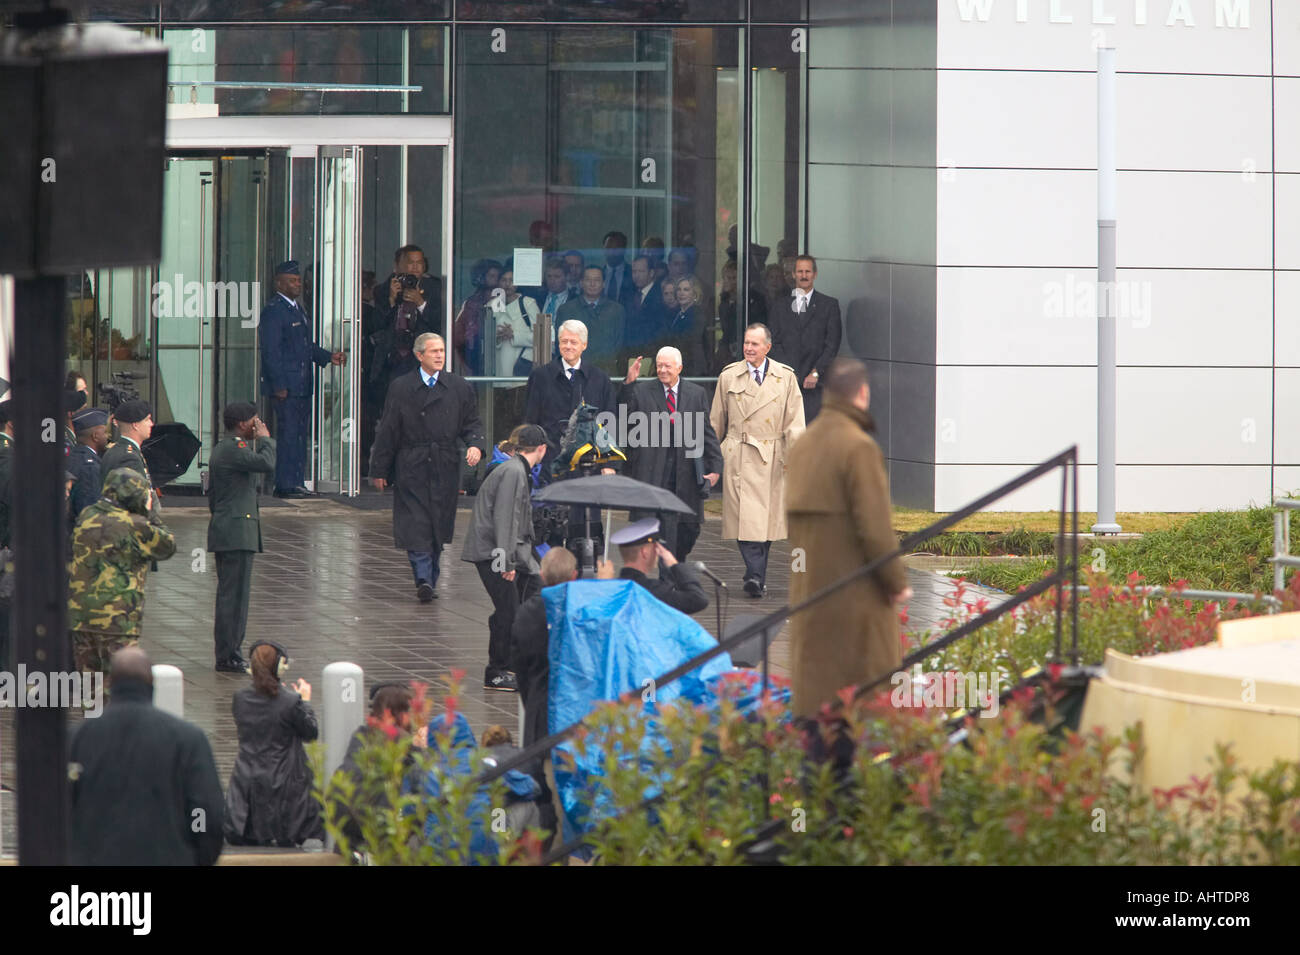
(979, 34)
(1207, 232)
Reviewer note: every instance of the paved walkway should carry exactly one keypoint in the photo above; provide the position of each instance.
(331, 586)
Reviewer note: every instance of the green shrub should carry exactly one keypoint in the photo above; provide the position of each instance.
(908, 796)
(1223, 550)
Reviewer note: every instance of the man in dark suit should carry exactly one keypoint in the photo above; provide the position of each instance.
(689, 462)
(617, 287)
(806, 333)
(416, 449)
(641, 547)
(145, 781)
(645, 318)
(602, 317)
(552, 393)
(235, 530)
(555, 389)
(288, 354)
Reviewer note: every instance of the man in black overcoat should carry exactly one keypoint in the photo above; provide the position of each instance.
(684, 457)
(806, 331)
(145, 790)
(428, 412)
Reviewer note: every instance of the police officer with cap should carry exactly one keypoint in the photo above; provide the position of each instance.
(91, 427)
(640, 546)
(288, 354)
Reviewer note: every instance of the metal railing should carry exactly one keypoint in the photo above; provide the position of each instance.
(1066, 571)
(1282, 557)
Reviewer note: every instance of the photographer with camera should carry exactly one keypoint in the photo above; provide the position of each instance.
(408, 304)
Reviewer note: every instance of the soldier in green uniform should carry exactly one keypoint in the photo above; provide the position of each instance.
(235, 470)
(134, 425)
(112, 545)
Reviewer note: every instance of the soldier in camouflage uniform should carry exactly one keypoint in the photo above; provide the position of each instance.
(112, 545)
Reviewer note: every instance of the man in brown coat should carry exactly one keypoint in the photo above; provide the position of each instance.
(840, 519)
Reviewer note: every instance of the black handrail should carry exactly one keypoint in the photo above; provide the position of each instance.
(1067, 460)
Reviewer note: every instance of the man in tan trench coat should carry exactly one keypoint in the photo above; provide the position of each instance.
(840, 517)
(757, 414)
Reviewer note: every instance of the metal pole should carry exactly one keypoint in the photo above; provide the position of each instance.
(1106, 219)
(1279, 517)
(343, 709)
(169, 690)
(40, 630)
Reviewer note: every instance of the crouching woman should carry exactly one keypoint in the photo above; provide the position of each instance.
(269, 802)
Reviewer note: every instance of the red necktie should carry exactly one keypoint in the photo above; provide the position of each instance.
(672, 402)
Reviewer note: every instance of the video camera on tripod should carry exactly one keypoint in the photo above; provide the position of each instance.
(584, 451)
(121, 390)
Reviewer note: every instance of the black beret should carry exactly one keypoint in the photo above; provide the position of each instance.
(132, 412)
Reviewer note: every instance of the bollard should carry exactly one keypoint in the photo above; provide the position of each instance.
(169, 690)
(343, 709)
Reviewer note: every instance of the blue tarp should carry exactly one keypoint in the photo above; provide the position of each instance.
(459, 761)
(609, 637)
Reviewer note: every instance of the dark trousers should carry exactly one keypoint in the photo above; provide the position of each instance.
(812, 402)
(234, 583)
(292, 422)
(679, 531)
(506, 597)
(754, 554)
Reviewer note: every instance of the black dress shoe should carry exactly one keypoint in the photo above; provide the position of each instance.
(754, 587)
(425, 593)
(303, 492)
(235, 664)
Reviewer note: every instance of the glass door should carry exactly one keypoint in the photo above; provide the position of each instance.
(337, 464)
(207, 294)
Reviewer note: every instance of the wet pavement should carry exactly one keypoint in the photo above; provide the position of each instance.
(331, 586)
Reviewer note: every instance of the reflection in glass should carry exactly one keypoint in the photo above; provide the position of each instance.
(311, 10)
(335, 54)
(617, 149)
(625, 11)
(777, 223)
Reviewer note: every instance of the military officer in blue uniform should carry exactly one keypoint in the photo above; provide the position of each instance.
(91, 427)
(288, 354)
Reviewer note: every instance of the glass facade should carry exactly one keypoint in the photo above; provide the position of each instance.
(661, 142)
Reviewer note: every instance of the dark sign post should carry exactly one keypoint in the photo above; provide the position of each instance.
(80, 187)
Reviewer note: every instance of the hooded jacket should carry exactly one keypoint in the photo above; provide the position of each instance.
(112, 545)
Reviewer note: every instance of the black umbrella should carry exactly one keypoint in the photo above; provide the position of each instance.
(615, 492)
(169, 451)
(612, 491)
